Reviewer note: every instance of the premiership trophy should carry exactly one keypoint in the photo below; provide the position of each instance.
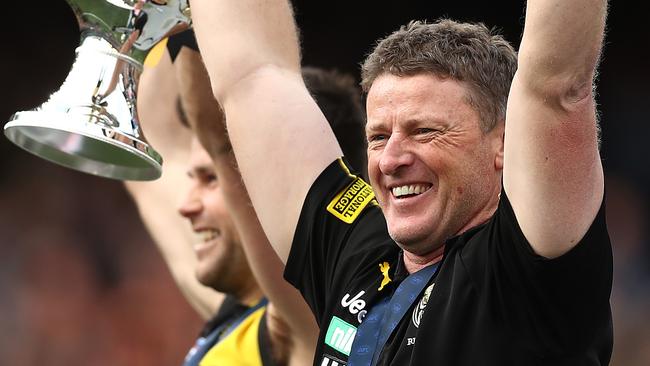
(91, 124)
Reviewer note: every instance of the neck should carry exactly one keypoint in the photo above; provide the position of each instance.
(249, 295)
(414, 262)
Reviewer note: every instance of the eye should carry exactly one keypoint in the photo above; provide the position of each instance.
(210, 178)
(424, 130)
(207, 179)
(377, 137)
(426, 134)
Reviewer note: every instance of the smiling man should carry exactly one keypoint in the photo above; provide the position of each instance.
(245, 330)
(498, 251)
(434, 170)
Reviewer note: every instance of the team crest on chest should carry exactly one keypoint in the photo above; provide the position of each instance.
(419, 310)
(384, 268)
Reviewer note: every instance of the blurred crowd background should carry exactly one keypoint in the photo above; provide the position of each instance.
(80, 280)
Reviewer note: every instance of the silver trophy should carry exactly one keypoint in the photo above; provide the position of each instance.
(91, 124)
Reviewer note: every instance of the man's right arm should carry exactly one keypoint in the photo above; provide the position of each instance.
(280, 137)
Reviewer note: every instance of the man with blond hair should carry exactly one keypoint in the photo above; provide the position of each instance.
(485, 172)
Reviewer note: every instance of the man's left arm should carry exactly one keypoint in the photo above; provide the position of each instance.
(292, 327)
(552, 170)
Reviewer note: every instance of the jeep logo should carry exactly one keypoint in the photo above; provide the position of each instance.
(355, 304)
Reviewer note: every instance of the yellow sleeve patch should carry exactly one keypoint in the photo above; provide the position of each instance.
(350, 202)
(156, 53)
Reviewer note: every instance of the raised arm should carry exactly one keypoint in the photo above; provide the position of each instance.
(157, 201)
(552, 170)
(279, 135)
(292, 328)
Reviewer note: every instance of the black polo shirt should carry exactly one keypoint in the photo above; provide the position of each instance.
(493, 301)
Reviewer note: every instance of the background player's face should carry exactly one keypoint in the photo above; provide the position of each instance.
(222, 263)
(434, 172)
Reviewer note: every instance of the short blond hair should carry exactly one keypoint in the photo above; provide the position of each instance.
(466, 52)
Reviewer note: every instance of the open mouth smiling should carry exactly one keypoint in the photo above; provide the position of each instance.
(410, 190)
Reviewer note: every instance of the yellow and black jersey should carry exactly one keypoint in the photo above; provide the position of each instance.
(492, 301)
(236, 336)
(172, 45)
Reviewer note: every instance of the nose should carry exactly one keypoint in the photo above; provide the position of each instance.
(394, 155)
(191, 205)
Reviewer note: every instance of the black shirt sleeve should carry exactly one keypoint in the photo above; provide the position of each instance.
(552, 306)
(341, 232)
(177, 41)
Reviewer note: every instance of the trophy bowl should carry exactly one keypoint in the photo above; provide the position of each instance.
(91, 123)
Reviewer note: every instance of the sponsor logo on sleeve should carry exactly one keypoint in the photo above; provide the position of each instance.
(340, 335)
(355, 305)
(348, 204)
(331, 361)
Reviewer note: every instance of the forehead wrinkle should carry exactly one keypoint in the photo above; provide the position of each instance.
(408, 116)
(395, 100)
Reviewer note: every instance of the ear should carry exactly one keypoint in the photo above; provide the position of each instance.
(498, 138)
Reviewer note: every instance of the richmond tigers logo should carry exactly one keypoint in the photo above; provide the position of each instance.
(419, 310)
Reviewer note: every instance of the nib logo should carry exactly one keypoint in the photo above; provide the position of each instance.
(340, 335)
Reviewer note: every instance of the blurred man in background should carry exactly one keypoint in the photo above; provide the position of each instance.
(233, 257)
